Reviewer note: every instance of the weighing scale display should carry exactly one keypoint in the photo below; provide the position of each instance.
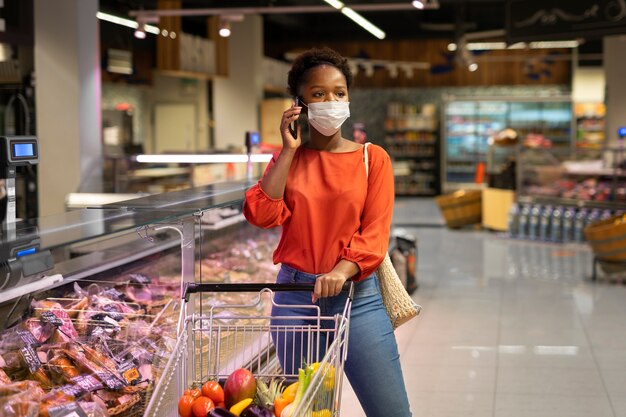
(23, 150)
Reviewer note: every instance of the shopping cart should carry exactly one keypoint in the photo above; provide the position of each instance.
(211, 346)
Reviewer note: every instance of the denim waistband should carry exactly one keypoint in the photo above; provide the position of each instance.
(292, 272)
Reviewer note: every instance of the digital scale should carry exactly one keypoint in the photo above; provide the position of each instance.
(21, 260)
(15, 151)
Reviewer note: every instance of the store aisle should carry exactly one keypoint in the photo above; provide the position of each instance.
(510, 329)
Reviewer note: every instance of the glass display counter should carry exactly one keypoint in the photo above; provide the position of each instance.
(90, 299)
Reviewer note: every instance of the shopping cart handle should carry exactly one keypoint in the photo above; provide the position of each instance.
(191, 287)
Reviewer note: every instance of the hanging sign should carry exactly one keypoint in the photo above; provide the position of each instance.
(544, 20)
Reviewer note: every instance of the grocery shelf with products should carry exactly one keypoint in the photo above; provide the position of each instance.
(590, 126)
(412, 141)
(469, 123)
(90, 299)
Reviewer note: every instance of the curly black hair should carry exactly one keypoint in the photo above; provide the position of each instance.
(312, 58)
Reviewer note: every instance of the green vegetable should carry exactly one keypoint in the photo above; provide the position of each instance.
(304, 378)
(265, 395)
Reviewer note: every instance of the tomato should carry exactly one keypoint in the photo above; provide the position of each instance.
(201, 406)
(195, 392)
(184, 405)
(214, 391)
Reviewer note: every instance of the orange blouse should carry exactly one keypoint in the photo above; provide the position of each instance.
(330, 210)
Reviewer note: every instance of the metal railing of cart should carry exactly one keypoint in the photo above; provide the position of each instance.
(212, 346)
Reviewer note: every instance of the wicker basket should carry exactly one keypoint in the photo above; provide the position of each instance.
(608, 241)
(461, 208)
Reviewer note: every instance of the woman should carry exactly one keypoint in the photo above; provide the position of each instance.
(336, 221)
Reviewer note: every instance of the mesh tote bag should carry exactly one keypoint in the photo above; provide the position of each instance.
(400, 306)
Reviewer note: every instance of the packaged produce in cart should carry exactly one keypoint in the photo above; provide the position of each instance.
(230, 364)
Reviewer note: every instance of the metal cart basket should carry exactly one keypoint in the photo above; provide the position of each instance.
(211, 346)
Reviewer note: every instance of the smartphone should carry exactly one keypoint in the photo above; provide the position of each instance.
(293, 127)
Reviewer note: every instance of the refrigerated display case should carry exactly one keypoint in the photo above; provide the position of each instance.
(572, 178)
(469, 123)
(90, 299)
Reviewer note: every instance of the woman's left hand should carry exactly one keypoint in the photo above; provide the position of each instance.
(328, 285)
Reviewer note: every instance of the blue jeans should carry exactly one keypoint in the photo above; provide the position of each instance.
(373, 363)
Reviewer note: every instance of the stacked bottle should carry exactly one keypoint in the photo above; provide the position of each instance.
(553, 224)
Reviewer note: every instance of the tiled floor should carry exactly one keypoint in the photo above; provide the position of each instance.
(509, 328)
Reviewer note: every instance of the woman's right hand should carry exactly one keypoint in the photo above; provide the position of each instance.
(289, 116)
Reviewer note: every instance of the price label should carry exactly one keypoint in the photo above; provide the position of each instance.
(31, 358)
(110, 380)
(112, 312)
(72, 390)
(50, 317)
(113, 294)
(27, 337)
(67, 410)
(130, 373)
(140, 279)
(87, 383)
(111, 322)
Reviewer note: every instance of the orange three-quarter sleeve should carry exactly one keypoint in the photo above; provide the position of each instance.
(262, 210)
(331, 210)
(370, 243)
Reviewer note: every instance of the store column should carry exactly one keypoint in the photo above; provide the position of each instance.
(237, 97)
(614, 67)
(67, 69)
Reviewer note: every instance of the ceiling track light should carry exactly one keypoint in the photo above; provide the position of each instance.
(357, 18)
(425, 4)
(224, 30)
(133, 24)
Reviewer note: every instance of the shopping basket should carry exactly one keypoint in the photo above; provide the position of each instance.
(212, 345)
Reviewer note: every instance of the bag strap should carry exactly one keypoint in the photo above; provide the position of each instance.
(366, 160)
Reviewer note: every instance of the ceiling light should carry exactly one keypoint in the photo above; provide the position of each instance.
(335, 3)
(363, 22)
(173, 35)
(164, 32)
(496, 46)
(152, 29)
(224, 30)
(452, 47)
(486, 46)
(553, 44)
(133, 24)
(472, 67)
(425, 4)
(201, 158)
(408, 71)
(140, 32)
(393, 70)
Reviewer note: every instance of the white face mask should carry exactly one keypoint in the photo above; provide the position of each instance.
(328, 116)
